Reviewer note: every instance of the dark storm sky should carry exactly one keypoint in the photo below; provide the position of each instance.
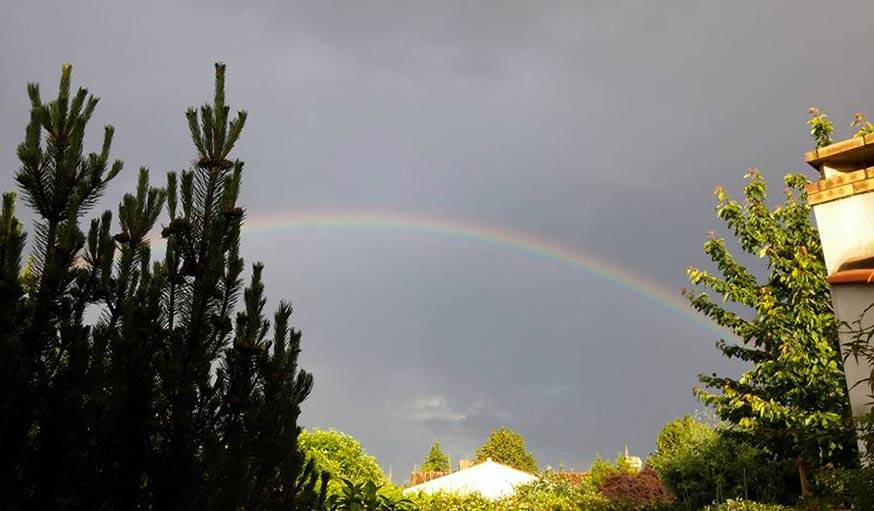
(603, 126)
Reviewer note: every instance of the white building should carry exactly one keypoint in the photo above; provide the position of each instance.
(490, 479)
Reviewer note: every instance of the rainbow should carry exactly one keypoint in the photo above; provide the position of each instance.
(470, 231)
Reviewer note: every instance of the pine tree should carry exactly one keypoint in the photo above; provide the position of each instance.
(46, 345)
(15, 413)
(436, 460)
(164, 402)
(793, 401)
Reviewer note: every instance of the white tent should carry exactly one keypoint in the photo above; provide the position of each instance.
(491, 480)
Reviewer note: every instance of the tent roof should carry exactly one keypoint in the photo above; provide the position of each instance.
(489, 479)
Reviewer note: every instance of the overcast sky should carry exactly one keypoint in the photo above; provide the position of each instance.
(599, 126)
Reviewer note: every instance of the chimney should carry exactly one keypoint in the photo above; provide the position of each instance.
(844, 209)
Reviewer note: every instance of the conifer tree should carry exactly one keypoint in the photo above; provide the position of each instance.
(436, 460)
(163, 402)
(793, 401)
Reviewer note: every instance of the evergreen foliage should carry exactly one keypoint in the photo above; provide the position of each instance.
(436, 460)
(508, 447)
(167, 400)
(792, 402)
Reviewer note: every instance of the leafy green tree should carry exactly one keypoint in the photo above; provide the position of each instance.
(508, 447)
(436, 460)
(343, 457)
(162, 402)
(792, 402)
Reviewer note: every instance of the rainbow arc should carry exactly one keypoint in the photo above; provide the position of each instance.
(532, 245)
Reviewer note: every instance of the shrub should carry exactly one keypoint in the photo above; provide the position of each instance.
(847, 488)
(701, 465)
(600, 469)
(452, 502)
(549, 493)
(368, 496)
(745, 505)
(635, 492)
(343, 457)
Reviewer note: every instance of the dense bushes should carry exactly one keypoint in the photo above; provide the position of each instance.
(549, 493)
(701, 465)
(343, 457)
(610, 487)
(453, 502)
(846, 488)
(368, 496)
(745, 505)
(635, 492)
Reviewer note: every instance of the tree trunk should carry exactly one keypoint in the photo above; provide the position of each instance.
(801, 464)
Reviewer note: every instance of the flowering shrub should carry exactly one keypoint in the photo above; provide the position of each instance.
(635, 492)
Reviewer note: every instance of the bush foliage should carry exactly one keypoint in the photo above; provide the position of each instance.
(618, 488)
(343, 457)
(746, 505)
(701, 465)
(635, 492)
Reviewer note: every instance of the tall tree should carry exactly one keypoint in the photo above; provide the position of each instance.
(508, 447)
(436, 460)
(793, 400)
(48, 426)
(162, 402)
